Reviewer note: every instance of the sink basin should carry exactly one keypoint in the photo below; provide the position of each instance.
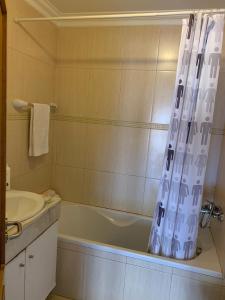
(21, 205)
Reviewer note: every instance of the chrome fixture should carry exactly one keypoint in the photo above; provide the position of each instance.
(210, 210)
(15, 235)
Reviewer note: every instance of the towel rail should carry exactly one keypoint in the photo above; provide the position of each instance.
(21, 105)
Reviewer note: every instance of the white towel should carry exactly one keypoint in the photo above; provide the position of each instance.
(39, 129)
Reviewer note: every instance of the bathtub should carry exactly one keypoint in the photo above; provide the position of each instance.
(92, 239)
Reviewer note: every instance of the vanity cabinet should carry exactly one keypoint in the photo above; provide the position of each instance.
(15, 278)
(31, 275)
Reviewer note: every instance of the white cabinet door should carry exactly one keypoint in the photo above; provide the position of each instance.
(41, 265)
(15, 278)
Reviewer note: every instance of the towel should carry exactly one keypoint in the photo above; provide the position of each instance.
(39, 129)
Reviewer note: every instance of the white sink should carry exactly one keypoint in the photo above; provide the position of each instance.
(21, 205)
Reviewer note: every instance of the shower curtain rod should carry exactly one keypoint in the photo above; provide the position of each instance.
(121, 15)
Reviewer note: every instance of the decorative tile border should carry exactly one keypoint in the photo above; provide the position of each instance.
(121, 123)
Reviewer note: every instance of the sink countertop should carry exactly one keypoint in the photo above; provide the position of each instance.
(32, 228)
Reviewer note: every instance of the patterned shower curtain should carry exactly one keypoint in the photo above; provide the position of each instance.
(175, 224)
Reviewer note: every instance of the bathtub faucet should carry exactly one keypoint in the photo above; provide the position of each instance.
(210, 210)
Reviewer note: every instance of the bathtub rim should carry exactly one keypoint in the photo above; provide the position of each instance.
(199, 264)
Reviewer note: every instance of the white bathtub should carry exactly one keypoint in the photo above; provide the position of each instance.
(86, 231)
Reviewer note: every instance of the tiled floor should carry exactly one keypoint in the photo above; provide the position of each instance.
(54, 297)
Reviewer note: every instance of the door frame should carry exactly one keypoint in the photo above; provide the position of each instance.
(3, 47)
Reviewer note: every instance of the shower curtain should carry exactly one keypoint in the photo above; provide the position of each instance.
(175, 223)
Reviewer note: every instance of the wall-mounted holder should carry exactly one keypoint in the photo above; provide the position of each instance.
(21, 105)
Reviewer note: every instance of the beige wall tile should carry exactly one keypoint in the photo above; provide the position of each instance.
(222, 60)
(140, 47)
(31, 49)
(165, 83)
(17, 149)
(15, 78)
(39, 81)
(101, 150)
(213, 162)
(70, 274)
(104, 94)
(117, 149)
(157, 144)
(128, 193)
(98, 188)
(68, 182)
(142, 284)
(90, 251)
(185, 289)
(137, 92)
(104, 279)
(150, 196)
(74, 50)
(107, 47)
(70, 143)
(37, 180)
(71, 90)
(131, 149)
(219, 116)
(169, 47)
(35, 39)
(149, 265)
(218, 228)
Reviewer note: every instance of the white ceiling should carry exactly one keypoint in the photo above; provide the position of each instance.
(93, 6)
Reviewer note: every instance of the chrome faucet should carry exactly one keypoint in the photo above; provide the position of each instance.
(210, 210)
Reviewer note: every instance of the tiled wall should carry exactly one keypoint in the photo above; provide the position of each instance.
(31, 67)
(80, 270)
(114, 87)
(218, 229)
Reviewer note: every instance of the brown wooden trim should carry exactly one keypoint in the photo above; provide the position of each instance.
(3, 50)
(3, 130)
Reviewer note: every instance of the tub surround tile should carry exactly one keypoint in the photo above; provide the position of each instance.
(142, 284)
(186, 289)
(70, 144)
(98, 188)
(219, 117)
(150, 196)
(69, 183)
(69, 280)
(136, 98)
(106, 51)
(157, 145)
(218, 228)
(77, 50)
(103, 99)
(164, 88)
(149, 265)
(140, 47)
(127, 193)
(213, 163)
(71, 90)
(90, 272)
(198, 276)
(121, 150)
(77, 247)
(99, 273)
(169, 47)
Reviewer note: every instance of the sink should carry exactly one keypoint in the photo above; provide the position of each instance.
(22, 205)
